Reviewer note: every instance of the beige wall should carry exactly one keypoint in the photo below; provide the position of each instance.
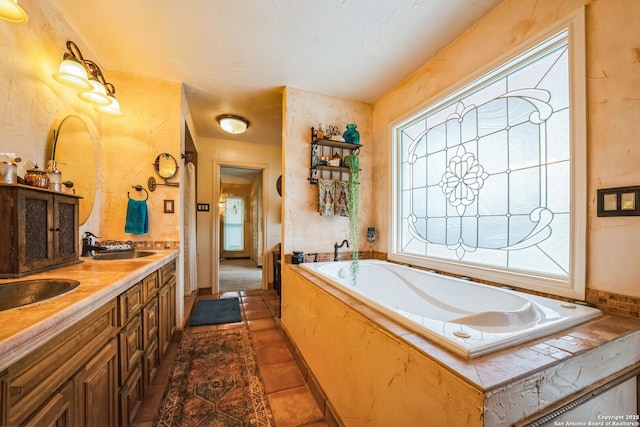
(32, 103)
(130, 144)
(304, 229)
(613, 90)
(212, 152)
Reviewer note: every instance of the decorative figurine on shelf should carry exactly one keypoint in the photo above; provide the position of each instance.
(333, 133)
(320, 132)
(351, 134)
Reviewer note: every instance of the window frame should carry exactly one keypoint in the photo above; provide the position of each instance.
(575, 285)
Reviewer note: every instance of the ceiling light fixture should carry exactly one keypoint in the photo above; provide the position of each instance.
(85, 75)
(232, 123)
(10, 11)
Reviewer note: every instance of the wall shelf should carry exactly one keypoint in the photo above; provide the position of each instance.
(323, 147)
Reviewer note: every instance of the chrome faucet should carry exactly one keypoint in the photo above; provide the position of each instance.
(88, 245)
(336, 247)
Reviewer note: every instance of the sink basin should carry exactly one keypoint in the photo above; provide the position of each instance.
(16, 294)
(105, 256)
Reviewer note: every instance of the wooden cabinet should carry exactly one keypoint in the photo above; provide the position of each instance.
(39, 229)
(38, 384)
(98, 371)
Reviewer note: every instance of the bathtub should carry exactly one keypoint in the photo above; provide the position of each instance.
(467, 318)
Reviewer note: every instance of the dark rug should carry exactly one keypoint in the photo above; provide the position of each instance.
(215, 382)
(216, 312)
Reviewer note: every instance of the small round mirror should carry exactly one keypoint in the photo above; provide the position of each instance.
(166, 165)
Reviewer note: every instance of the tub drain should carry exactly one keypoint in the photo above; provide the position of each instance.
(461, 334)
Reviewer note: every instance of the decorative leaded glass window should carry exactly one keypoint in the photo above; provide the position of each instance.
(483, 177)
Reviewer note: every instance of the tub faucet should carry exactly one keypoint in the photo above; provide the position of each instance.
(336, 247)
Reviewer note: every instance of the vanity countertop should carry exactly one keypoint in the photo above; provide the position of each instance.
(28, 327)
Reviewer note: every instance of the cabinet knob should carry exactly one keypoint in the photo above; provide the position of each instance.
(54, 229)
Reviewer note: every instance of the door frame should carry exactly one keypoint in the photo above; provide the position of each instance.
(215, 227)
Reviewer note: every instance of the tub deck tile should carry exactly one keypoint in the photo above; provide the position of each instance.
(496, 369)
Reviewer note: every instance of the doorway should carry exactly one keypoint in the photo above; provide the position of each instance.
(240, 229)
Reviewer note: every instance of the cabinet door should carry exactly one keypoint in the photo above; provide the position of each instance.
(164, 301)
(150, 322)
(35, 232)
(97, 388)
(58, 411)
(172, 307)
(65, 230)
(130, 342)
(131, 395)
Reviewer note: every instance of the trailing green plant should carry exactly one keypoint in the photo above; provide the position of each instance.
(354, 196)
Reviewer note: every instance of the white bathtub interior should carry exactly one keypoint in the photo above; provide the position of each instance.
(468, 318)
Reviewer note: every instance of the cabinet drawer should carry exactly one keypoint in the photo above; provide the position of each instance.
(167, 271)
(129, 303)
(130, 345)
(58, 411)
(131, 395)
(149, 287)
(35, 378)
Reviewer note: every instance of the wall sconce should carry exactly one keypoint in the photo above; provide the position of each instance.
(10, 11)
(233, 124)
(85, 76)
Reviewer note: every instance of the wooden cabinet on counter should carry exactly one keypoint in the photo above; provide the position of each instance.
(39, 229)
(97, 371)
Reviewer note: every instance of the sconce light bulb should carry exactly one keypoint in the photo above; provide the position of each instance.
(10, 11)
(73, 74)
(96, 96)
(113, 108)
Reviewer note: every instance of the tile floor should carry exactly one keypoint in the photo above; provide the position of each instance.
(292, 404)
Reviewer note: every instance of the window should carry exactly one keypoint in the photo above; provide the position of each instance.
(234, 224)
(488, 181)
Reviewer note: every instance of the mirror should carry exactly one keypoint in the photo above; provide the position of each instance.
(166, 165)
(75, 158)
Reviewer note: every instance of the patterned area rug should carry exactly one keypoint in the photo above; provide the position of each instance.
(215, 382)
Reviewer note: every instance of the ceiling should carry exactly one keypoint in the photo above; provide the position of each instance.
(235, 57)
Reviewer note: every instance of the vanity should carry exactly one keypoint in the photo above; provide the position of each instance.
(87, 357)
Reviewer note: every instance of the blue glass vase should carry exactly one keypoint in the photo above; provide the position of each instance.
(351, 134)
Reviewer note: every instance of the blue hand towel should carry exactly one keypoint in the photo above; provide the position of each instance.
(137, 217)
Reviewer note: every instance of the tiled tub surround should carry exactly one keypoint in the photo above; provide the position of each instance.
(468, 318)
(402, 378)
(27, 328)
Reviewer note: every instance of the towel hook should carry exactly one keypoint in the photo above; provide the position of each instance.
(139, 188)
